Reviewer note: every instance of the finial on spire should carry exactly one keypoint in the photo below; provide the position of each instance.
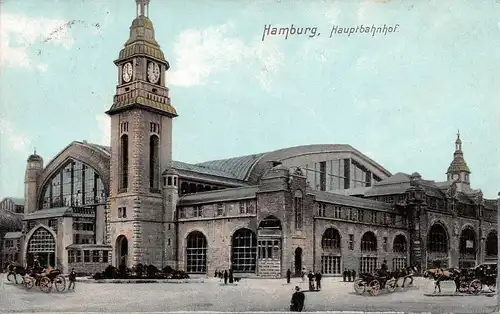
(142, 7)
(34, 151)
(458, 133)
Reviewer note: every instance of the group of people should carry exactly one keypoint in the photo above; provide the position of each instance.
(225, 275)
(349, 275)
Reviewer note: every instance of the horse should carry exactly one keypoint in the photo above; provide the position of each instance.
(15, 269)
(405, 273)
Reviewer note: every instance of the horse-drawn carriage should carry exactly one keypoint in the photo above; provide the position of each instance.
(469, 280)
(43, 279)
(377, 281)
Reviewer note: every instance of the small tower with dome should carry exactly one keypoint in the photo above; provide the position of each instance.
(458, 171)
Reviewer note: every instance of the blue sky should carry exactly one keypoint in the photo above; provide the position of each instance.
(398, 98)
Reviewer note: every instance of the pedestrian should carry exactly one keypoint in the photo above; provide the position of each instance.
(225, 277)
(304, 273)
(318, 280)
(345, 274)
(231, 278)
(297, 302)
(72, 279)
(311, 280)
(353, 274)
(216, 273)
(349, 275)
(288, 276)
(439, 275)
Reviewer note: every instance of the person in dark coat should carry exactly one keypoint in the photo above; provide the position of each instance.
(288, 276)
(225, 277)
(72, 279)
(297, 302)
(345, 273)
(231, 278)
(353, 274)
(349, 275)
(318, 280)
(311, 280)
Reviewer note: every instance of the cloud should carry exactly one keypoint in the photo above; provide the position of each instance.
(104, 125)
(14, 139)
(18, 33)
(200, 53)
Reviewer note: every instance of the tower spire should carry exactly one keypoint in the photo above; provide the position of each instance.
(142, 7)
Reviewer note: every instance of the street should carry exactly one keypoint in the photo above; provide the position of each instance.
(247, 295)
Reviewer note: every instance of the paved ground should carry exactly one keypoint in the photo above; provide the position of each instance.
(248, 295)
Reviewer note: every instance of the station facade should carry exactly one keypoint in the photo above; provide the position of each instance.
(314, 207)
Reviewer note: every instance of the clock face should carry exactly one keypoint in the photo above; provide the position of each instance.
(153, 72)
(127, 72)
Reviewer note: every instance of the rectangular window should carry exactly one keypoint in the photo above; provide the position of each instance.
(249, 207)
(198, 211)
(95, 257)
(105, 256)
(384, 244)
(330, 265)
(71, 257)
(220, 209)
(374, 217)
(122, 212)
(361, 215)
(393, 219)
(367, 264)
(182, 213)
(321, 209)
(337, 212)
(78, 256)
(242, 207)
(351, 242)
(322, 176)
(269, 249)
(86, 256)
(399, 262)
(168, 241)
(384, 219)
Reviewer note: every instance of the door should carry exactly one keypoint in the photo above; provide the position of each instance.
(298, 262)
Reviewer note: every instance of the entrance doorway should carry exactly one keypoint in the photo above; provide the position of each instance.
(41, 246)
(298, 262)
(121, 250)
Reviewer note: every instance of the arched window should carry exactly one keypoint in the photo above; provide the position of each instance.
(468, 242)
(270, 222)
(75, 184)
(196, 253)
(369, 242)
(42, 246)
(154, 165)
(244, 251)
(399, 245)
(438, 239)
(299, 214)
(124, 161)
(492, 244)
(331, 240)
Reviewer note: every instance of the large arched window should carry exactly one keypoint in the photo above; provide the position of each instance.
(399, 245)
(369, 242)
(154, 165)
(124, 162)
(196, 253)
(438, 239)
(492, 244)
(331, 240)
(75, 184)
(244, 251)
(299, 210)
(41, 246)
(468, 242)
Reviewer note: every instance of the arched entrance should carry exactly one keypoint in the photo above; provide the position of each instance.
(298, 262)
(269, 235)
(369, 256)
(468, 248)
(244, 251)
(196, 253)
(331, 254)
(42, 246)
(492, 246)
(437, 247)
(399, 251)
(121, 248)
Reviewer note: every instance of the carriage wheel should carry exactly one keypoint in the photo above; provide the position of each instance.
(10, 277)
(475, 286)
(45, 284)
(391, 285)
(28, 282)
(60, 283)
(374, 287)
(359, 286)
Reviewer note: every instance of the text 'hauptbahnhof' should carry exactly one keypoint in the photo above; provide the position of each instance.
(314, 207)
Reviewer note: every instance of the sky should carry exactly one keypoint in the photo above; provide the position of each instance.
(398, 97)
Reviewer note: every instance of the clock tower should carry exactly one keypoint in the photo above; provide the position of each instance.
(141, 147)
